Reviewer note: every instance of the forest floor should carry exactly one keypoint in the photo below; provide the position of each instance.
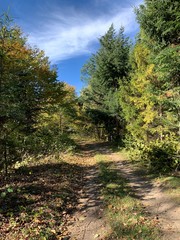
(66, 198)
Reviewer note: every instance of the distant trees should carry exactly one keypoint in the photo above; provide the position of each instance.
(58, 122)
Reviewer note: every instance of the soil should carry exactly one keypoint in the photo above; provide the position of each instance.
(88, 222)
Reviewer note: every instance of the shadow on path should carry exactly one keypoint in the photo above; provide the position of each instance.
(89, 222)
(92, 149)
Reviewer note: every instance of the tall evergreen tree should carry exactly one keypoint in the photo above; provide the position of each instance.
(103, 72)
(160, 22)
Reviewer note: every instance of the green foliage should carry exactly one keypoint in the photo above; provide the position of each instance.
(47, 141)
(160, 156)
(7, 191)
(135, 98)
(166, 88)
(160, 19)
(128, 96)
(150, 97)
(29, 89)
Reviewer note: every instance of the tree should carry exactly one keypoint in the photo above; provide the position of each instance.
(160, 20)
(150, 99)
(135, 96)
(28, 85)
(102, 73)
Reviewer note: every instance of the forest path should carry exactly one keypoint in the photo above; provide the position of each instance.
(88, 222)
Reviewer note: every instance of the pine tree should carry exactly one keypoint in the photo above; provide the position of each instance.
(160, 19)
(103, 72)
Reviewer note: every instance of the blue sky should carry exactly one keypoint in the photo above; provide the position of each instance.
(68, 30)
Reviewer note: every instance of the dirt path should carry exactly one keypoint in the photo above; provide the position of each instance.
(158, 204)
(89, 222)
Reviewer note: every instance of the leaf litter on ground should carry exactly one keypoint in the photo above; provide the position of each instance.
(36, 200)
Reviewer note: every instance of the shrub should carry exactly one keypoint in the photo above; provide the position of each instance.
(160, 156)
(157, 155)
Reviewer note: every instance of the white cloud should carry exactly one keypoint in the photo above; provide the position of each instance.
(73, 33)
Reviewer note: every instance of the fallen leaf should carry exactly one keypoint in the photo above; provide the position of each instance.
(96, 235)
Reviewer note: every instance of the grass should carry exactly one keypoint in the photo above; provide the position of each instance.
(124, 211)
(170, 186)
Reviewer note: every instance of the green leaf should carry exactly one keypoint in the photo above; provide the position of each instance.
(10, 190)
(3, 194)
